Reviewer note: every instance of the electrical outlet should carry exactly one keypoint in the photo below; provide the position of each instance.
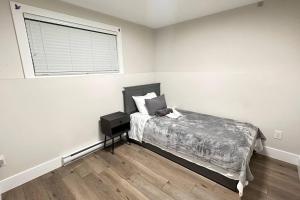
(278, 134)
(2, 161)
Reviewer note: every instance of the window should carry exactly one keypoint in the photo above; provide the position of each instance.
(53, 44)
(60, 49)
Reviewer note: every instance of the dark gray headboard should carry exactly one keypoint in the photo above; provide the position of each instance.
(140, 90)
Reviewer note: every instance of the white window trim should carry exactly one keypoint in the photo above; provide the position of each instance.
(20, 28)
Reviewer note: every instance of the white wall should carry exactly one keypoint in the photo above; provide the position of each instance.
(242, 64)
(43, 118)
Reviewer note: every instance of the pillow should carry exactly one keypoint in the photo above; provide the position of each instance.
(163, 112)
(140, 102)
(155, 104)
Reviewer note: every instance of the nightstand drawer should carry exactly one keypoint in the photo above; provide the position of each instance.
(119, 121)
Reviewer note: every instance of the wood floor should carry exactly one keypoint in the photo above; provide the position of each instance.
(134, 173)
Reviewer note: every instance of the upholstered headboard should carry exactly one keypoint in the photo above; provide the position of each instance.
(140, 90)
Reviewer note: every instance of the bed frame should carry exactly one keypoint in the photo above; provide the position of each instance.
(130, 107)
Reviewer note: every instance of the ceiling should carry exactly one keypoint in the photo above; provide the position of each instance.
(159, 13)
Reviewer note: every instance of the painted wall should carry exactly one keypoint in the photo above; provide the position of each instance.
(242, 64)
(43, 118)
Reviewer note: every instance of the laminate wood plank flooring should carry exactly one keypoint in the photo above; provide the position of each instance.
(135, 173)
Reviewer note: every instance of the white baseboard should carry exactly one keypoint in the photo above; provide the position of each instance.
(29, 174)
(281, 155)
(43, 168)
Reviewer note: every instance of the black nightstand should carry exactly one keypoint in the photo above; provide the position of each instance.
(114, 125)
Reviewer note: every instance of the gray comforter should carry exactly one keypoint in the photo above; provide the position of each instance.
(224, 145)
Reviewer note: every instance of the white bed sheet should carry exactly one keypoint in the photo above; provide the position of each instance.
(137, 125)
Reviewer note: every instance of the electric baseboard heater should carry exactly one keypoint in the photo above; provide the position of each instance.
(67, 159)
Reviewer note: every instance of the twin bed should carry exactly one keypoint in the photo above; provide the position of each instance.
(217, 148)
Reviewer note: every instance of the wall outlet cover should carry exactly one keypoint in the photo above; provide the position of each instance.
(278, 134)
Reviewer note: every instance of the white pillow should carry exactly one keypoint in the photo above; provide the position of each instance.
(140, 102)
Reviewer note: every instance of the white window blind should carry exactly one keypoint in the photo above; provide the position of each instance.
(59, 49)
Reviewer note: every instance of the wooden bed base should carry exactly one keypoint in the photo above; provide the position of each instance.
(214, 176)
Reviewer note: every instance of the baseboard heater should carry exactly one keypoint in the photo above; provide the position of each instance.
(67, 159)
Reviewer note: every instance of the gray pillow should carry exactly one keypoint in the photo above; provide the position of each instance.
(155, 104)
(163, 112)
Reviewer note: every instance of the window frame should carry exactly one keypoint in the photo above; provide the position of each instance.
(18, 10)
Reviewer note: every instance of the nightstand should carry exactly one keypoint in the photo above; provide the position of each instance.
(114, 125)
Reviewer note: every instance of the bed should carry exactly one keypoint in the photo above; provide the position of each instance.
(217, 148)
